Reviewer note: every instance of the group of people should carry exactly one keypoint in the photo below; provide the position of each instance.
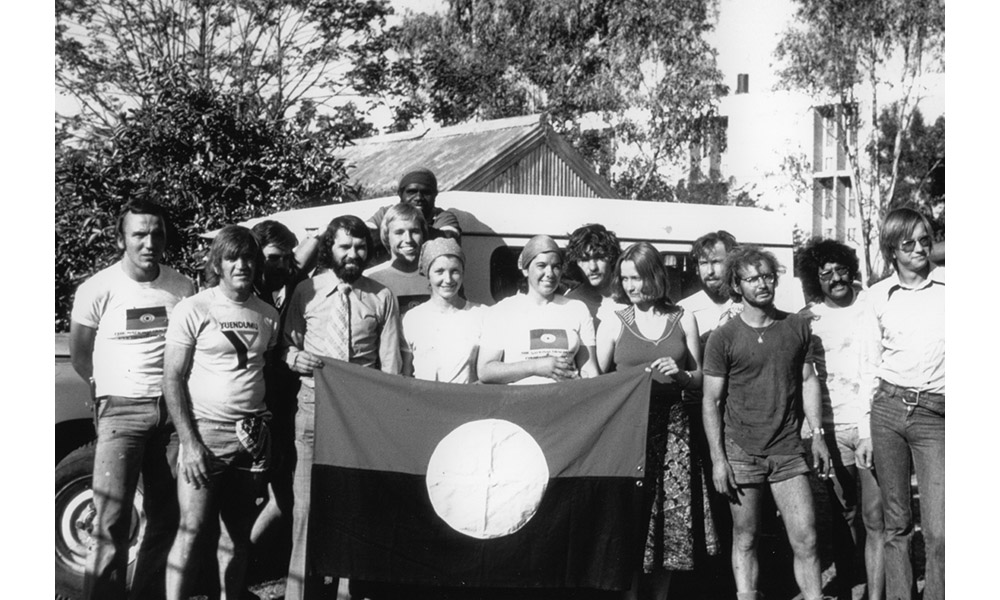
(215, 387)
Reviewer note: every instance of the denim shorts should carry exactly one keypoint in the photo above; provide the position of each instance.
(754, 469)
(846, 439)
(228, 451)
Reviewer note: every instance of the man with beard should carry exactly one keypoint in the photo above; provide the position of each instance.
(765, 358)
(339, 314)
(904, 377)
(712, 305)
(592, 254)
(828, 270)
(404, 231)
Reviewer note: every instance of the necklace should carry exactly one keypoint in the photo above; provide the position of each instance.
(760, 334)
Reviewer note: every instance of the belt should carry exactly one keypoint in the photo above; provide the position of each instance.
(911, 397)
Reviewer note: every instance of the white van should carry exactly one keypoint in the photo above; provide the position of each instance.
(496, 226)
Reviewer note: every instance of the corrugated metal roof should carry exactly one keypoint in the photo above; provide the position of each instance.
(463, 157)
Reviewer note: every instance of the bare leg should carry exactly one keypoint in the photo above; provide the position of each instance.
(746, 526)
(794, 499)
(196, 507)
(236, 504)
(871, 514)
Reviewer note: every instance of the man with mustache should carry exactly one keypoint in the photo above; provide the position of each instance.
(712, 305)
(763, 358)
(117, 341)
(341, 314)
(828, 270)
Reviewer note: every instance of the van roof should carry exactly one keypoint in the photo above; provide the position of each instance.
(525, 215)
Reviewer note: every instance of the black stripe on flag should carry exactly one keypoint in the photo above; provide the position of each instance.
(372, 513)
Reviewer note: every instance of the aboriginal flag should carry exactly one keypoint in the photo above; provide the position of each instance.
(497, 486)
(141, 319)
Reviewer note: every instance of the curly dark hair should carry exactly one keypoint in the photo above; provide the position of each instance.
(594, 240)
(354, 226)
(818, 252)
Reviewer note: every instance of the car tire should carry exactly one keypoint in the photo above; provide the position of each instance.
(75, 517)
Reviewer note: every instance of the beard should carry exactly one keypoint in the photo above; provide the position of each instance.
(348, 270)
(716, 289)
(762, 303)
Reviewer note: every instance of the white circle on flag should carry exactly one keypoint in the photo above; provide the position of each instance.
(548, 338)
(486, 478)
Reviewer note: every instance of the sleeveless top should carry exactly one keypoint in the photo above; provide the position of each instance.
(632, 348)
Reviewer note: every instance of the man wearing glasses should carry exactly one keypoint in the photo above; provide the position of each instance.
(828, 270)
(764, 359)
(905, 381)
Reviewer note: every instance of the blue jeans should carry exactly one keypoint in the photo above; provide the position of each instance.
(133, 437)
(901, 433)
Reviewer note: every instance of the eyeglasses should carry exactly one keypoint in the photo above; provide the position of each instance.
(841, 272)
(908, 245)
(767, 278)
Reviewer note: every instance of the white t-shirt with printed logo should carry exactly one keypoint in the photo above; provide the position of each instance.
(526, 330)
(230, 341)
(130, 318)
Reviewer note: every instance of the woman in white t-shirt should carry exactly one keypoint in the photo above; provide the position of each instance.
(539, 336)
(441, 336)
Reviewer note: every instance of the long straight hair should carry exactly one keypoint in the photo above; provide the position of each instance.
(653, 273)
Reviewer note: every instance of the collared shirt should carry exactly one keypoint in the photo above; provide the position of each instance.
(374, 322)
(906, 334)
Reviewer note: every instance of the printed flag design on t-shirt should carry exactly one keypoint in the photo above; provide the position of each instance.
(144, 319)
(548, 342)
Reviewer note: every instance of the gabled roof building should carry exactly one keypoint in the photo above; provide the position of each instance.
(520, 155)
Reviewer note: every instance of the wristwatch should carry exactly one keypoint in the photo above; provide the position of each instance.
(818, 431)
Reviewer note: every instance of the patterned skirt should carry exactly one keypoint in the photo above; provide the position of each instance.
(681, 528)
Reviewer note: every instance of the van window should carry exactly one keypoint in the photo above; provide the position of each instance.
(506, 278)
